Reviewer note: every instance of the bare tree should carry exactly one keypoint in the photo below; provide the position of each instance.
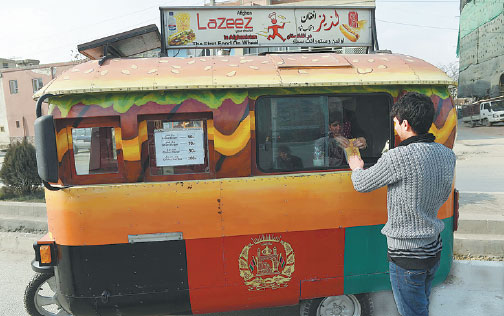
(77, 56)
(452, 70)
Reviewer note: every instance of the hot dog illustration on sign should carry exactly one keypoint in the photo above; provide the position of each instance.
(352, 29)
(266, 263)
(275, 27)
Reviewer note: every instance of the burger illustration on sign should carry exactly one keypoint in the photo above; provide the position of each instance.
(179, 29)
(354, 26)
(266, 263)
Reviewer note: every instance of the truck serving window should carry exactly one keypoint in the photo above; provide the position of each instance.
(296, 133)
(177, 147)
(94, 150)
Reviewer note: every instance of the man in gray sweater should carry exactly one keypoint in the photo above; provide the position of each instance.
(419, 175)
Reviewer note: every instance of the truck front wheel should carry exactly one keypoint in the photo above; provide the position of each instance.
(345, 305)
(41, 298)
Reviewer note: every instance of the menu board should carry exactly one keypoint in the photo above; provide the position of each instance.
(179, 147)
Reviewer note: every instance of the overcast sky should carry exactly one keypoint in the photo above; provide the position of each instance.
(50, 30)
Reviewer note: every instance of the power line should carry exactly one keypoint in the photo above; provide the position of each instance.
(427, 26)
(376, 1)
(419, 1)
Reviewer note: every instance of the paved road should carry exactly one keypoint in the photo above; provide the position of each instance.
(474, 288)
(480, 156)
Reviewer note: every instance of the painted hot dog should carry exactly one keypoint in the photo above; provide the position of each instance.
(349, 32)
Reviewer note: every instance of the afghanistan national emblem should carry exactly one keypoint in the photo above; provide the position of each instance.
(266, 263)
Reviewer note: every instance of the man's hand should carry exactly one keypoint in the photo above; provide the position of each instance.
(355, 162)
(360, 143)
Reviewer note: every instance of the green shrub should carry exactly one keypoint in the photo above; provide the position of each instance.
(19, 169)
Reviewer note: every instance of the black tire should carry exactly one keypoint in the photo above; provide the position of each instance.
(31, 292)
(364, 308)
(487, 123)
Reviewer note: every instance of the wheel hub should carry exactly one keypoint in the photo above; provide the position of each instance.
(46, 299)
(343, 305)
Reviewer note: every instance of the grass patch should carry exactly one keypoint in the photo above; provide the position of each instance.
(37, 196)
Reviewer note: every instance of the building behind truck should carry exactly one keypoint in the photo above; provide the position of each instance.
(19, 80)
(481, 34)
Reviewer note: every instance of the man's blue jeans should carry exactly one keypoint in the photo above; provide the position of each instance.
(411, 289)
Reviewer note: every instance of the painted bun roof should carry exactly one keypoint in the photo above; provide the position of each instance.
(217, 72)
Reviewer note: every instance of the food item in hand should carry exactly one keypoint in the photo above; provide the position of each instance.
(351, 149)
(349, 32)
(182, 38)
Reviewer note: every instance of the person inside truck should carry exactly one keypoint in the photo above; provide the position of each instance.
(287, 161)
(338, 138)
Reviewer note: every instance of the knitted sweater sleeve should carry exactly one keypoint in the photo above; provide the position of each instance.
(375, 177)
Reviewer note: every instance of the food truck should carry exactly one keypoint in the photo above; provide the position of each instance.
(181, 203)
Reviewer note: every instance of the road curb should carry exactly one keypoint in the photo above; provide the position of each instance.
(27, 209)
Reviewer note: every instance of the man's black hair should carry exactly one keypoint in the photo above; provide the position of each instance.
(417, 109)
(335, 116)
(284, 149)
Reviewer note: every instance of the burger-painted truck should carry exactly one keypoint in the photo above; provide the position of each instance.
(179, 205)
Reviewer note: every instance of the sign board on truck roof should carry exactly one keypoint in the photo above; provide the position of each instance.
(273, 26)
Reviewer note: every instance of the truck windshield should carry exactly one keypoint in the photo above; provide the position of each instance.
(498, 105)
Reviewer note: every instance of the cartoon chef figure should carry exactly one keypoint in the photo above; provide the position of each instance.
(275, 27)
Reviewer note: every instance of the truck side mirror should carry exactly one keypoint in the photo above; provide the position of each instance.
(45, 146)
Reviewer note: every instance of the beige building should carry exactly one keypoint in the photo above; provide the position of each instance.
(17, 86)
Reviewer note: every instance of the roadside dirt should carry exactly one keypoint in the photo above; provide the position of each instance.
(480, 258)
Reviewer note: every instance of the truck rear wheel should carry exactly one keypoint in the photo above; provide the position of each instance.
(343, 305)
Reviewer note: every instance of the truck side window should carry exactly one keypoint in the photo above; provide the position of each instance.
(297, 133)
(94, 150)
(177, 147)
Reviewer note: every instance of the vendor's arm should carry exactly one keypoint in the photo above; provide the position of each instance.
(360, 143)
(375, 177)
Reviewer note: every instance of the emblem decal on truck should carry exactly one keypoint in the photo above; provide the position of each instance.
(266, 263)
